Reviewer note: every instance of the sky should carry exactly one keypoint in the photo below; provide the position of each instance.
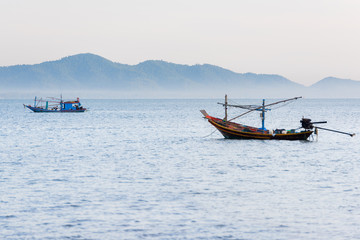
(302, 40)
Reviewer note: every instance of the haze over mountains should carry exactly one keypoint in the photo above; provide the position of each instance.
(92, 76)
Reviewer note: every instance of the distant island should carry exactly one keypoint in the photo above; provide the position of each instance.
(92, 76)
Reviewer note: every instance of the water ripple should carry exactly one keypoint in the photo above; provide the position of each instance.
(139, 169)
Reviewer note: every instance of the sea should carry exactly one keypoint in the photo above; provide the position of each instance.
(156, 169)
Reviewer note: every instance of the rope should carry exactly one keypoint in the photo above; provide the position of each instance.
(210, 134)
(282, 105)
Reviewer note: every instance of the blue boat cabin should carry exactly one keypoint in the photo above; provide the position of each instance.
(71, 105)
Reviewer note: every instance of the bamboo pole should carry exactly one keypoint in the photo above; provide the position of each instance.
(226, 107)
(286, 100)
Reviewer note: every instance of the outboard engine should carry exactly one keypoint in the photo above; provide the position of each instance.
(306, 123)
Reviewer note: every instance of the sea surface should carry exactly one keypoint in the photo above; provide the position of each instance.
(155, 169)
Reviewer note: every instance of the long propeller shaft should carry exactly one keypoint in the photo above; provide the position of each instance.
(331, 130)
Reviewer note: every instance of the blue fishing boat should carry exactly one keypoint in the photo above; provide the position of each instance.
(51, 104)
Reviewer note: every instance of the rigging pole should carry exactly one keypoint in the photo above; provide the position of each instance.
(61, 102)
(226, 107)
(263, 106)
(263, 115)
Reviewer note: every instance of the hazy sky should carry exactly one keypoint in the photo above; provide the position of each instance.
(303, 40)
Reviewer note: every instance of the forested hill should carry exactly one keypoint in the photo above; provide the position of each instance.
(94, 76)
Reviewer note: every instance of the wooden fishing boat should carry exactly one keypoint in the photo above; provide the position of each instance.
(51, 104)
(232, 130)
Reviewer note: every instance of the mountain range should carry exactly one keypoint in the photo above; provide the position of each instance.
(92, 76)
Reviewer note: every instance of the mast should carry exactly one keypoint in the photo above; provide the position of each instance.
(226, 106)
(263, 115)
(61, 102)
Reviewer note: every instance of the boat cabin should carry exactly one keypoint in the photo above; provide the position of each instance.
(71, 105)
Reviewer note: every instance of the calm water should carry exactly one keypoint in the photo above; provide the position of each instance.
(143, 169)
